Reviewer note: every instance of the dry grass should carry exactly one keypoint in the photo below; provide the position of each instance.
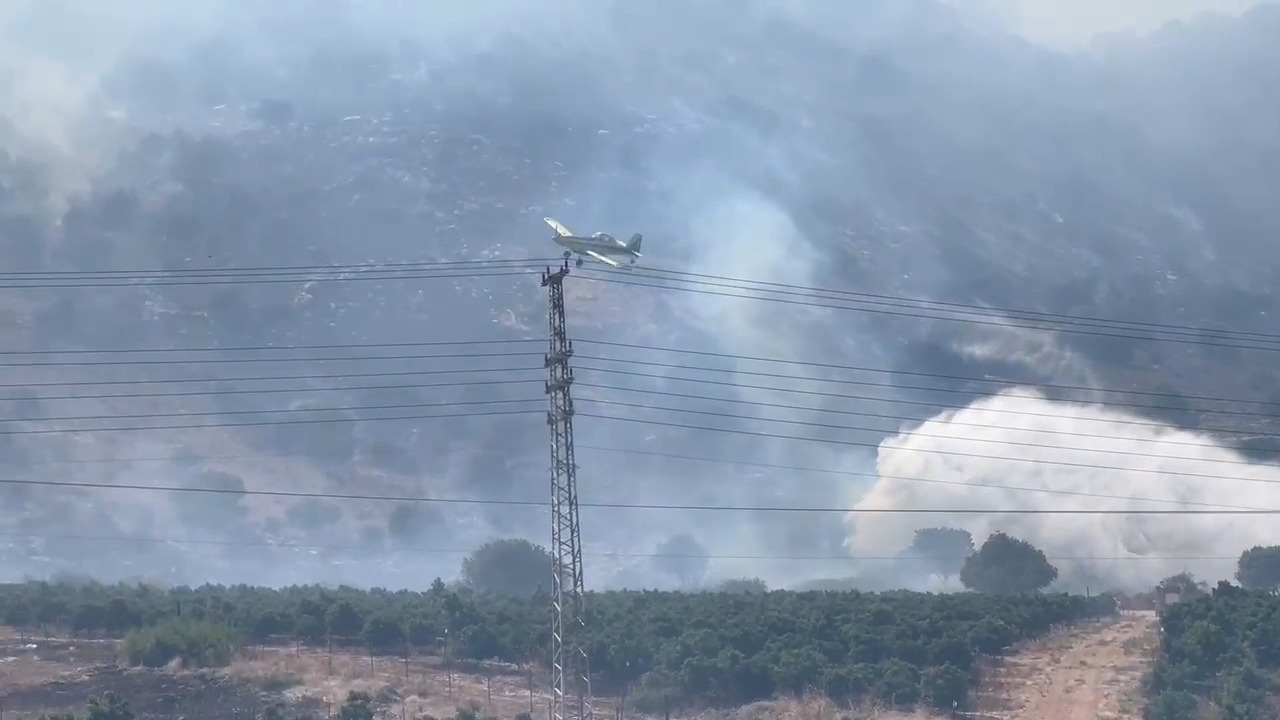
(422, 685)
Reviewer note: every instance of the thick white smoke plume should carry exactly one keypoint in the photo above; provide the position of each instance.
(1089, 457)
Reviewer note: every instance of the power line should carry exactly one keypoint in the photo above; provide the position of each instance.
(261, 391)
(954, 453)
(631, 373)
(888, 371)
(266, 423)
(730, 356)
(264, 280)
(276, 348)
(272, 411)
(266, 391)
(790, 289)
(278, 269)
(916, 479)
(495, 383)
(743, 463)
(602, 343)
(735, 416)
(1004, 322)
(261, 378)
(221, 360)
(969, 313)
(617, 555)
(639, 506)
(695, 458)
(464, 551)
(283, 411)
(917, 433)
(902, 401)
(678, 276)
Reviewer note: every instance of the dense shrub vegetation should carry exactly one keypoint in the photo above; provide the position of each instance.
(195, 643)
(1222, 648)
(660, 647)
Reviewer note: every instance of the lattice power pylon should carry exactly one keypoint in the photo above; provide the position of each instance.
(570, 673)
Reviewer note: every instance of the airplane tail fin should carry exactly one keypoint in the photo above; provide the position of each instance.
(634, 244)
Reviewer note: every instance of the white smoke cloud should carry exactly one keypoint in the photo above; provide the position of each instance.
(1020, 439)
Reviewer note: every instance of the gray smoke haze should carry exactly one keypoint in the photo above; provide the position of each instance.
(911, 148)
(1070, 26)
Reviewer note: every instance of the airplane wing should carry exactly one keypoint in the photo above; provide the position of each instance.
(561, 230)
(603, 259)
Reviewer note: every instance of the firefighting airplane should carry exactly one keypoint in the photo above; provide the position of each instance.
(600, 246)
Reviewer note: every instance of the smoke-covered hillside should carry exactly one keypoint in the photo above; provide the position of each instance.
(899, 148)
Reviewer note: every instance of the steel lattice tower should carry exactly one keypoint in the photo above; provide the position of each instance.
(568, 656)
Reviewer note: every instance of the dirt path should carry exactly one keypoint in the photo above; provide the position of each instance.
(1089, 672)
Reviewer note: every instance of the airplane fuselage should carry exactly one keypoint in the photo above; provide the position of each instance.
(602, 246)
(607, 246)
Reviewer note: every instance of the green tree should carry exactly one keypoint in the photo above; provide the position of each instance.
(121, 614)
(508, 567)
(17, 614)
(1005, 565)
(383, 631)
(942, 551)
(268, 623)
(1259, 568)
(1185, 585)
(682, 557)
(310, 627)
(945, 686)
(343, 620)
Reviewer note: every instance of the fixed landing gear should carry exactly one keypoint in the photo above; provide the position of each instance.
(579, 263)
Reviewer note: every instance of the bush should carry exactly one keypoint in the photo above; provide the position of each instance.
(196, 644)
(673, 650)
(1218, 650)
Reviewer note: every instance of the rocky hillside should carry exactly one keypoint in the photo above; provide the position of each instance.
(888, 149)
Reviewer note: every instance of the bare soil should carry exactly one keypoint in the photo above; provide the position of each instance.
(1092, 671)
(811, 708)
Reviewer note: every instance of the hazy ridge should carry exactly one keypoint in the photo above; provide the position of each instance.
(894, 149)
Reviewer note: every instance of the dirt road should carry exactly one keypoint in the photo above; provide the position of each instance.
(1093, 671)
